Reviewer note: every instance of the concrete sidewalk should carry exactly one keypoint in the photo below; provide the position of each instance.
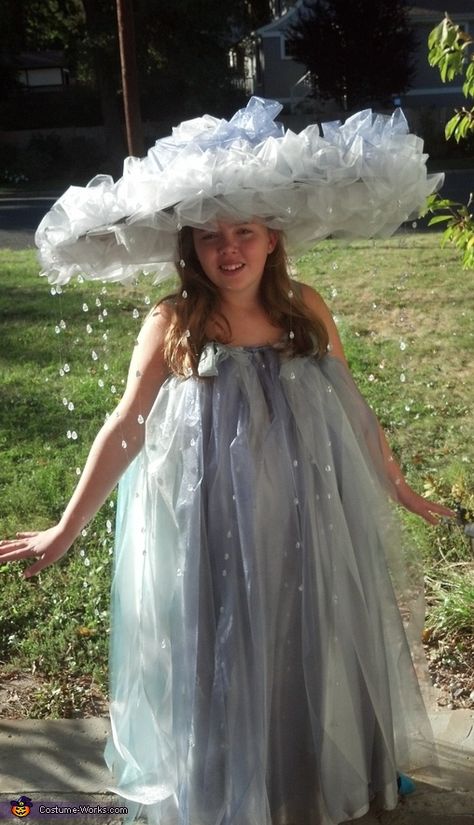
(61, 763)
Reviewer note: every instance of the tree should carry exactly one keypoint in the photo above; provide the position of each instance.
(85, 30)
(358, 52)
(182, 50)
(452, 50)
(183, 57)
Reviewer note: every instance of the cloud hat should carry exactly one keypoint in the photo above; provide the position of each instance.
(360, 179)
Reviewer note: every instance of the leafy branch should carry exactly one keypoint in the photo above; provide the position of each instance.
(451, 50)
(459, 229)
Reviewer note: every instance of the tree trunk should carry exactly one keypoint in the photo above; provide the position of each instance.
(106, 76)
(128, 63)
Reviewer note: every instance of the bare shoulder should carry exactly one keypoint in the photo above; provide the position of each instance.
(152, 334)
(316, 303)
(148, 365)
(311, 297)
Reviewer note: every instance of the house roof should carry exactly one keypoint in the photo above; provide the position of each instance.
(280, 23)
(34, 60)
(429, 10)
(439, 7)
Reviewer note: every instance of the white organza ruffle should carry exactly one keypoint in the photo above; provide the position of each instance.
(363, 178)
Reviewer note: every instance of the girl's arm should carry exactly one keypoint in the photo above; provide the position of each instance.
(400, 491)
(116, 445)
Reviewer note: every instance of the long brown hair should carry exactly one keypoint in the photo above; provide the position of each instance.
(198, 301)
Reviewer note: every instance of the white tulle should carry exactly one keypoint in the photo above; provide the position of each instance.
(363, 178)
(263, 603)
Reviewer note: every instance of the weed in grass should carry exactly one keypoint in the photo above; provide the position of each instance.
(451, 601)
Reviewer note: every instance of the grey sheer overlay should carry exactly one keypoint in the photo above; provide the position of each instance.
(263, 603)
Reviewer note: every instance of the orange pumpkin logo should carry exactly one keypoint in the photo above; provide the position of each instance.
(22, 806)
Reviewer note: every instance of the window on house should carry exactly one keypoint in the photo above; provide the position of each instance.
(287, 52)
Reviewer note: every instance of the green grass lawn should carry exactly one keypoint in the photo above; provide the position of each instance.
(405, 311)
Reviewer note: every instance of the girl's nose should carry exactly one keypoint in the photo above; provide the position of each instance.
(226, 241)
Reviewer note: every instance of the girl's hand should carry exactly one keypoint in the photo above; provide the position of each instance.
(46, 547)
(429, 510)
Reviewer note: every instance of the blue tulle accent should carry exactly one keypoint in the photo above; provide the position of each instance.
(253, 124)
(405, 785)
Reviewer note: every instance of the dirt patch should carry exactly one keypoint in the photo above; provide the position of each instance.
(451, 667)
(25, 695)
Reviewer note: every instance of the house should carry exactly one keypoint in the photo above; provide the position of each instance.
(269, 70)
(38, 71)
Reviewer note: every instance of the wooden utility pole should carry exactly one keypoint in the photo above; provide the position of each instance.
(128, 62)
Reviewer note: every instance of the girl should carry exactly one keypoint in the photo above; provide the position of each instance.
(260, 668)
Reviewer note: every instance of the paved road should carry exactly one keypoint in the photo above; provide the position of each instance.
(62, 762)
(20, 216)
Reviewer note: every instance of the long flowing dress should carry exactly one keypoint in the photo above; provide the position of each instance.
(261, 671)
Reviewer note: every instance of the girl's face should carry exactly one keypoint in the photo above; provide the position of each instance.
(233, 255)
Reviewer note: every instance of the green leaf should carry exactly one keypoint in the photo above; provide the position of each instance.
(445, 203)
(439, 219)
(451, 126)
(435, 35)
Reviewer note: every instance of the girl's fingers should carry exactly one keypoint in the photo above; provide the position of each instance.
(11, 547)
(36, 568)
(17, 542)
(442, 510)
(17, 555)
